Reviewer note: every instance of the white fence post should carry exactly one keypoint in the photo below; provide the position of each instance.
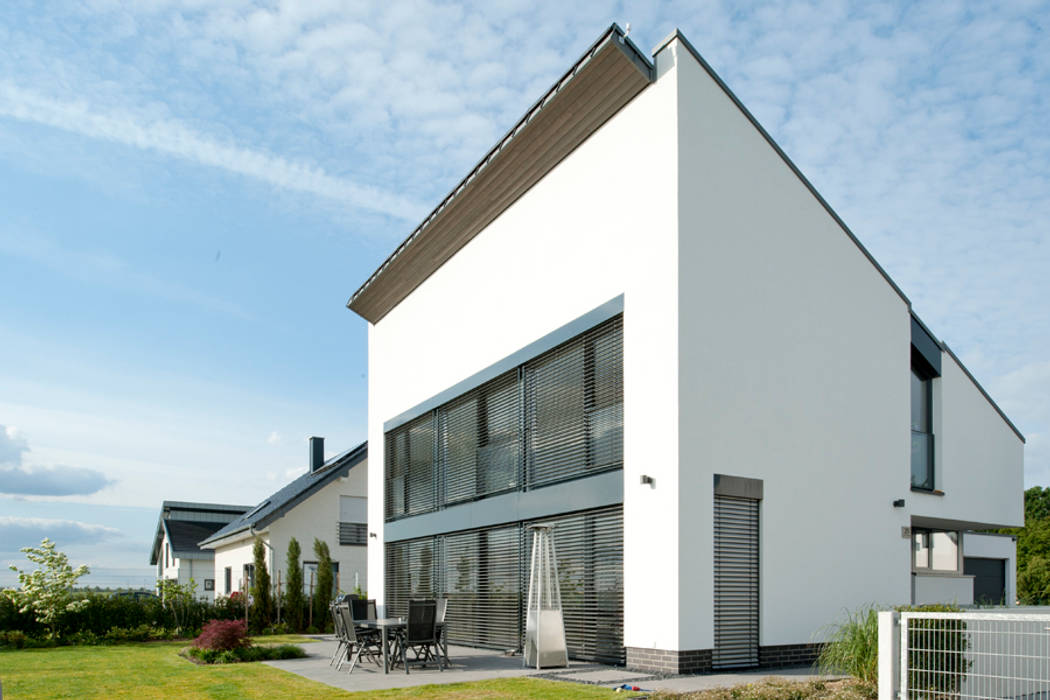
(889, 654)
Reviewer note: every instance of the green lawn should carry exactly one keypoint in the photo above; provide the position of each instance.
(155, 670)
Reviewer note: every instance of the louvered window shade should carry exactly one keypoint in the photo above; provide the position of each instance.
(482, 577)
(411, 568)
(411, 478)
(481, 440)
(574, 406)
(589, 546)
(484, 574)
(557, 417)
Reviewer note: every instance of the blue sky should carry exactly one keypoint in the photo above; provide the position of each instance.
(190, 193)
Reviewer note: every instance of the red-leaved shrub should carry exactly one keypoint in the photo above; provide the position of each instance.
(222, 635)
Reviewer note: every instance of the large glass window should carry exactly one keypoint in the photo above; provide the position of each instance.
(935, 550)
(921, 430)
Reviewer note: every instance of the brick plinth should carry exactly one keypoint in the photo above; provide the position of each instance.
(668, 660)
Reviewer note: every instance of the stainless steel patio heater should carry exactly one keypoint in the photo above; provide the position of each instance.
(544, 625)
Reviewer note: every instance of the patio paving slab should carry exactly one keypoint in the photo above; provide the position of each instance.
(469, 664)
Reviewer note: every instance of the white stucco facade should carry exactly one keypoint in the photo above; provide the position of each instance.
(317, 516)
(185, 569)
(759, 341)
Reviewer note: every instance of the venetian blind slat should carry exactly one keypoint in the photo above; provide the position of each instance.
(481, 440)
(574, 406)
(589, 548)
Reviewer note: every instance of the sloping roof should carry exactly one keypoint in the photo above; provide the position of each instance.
(279, 503)
(185, 545)
(608, 76)
(185, 534)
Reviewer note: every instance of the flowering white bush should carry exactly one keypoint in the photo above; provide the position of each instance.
(48, 591)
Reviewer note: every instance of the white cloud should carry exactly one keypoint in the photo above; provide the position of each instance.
(274, 438)
(12, 445)
(58, 480)
(16, 532)
(172, 138)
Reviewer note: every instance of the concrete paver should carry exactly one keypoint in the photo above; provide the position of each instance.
(469, 664)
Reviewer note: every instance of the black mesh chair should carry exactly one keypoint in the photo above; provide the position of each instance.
(340, 637)
(420, 636)
(362, 609)
(356, 645)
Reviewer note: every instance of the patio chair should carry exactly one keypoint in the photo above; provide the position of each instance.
(362, 609)
(358, 646)
(420, 634)
(442, 608)
(340, 636)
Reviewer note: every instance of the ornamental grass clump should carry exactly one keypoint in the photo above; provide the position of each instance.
(853, 646)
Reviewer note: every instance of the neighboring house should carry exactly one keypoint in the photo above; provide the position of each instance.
(636, 320)
(327, 503)
(180, 527)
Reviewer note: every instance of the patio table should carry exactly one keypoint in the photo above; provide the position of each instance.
(388, 627)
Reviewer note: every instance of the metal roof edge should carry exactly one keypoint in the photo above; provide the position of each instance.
(348, 460)
(677, 34)
(944, 346)
(640, 60)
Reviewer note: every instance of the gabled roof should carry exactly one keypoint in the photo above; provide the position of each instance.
(186, 523)
(279, 503)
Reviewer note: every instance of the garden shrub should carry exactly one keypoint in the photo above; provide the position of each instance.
(245, 654)
(222, 635)
(937, 652)
(15, 639)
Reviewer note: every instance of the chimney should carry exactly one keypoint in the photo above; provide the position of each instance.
(316, 453)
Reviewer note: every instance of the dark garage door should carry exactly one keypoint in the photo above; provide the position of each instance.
(989, 583)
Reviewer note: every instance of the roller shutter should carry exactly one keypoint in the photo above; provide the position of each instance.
(736, 582)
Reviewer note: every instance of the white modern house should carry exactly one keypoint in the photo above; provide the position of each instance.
(181, 526)
(636, 320)
(327, 503)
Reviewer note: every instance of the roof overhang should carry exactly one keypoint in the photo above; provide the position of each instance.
(608, 76)
(245, 533)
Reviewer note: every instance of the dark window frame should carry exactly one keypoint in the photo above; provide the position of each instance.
(511, 399)
(925, 377)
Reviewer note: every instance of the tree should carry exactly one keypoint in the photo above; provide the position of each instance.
(294, 597)
(262, 602)
(1033, 582)
(47, 592)
(1033, 548)
(325, 583)
(178, 598)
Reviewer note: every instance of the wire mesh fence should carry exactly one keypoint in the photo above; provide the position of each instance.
(974, 655)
